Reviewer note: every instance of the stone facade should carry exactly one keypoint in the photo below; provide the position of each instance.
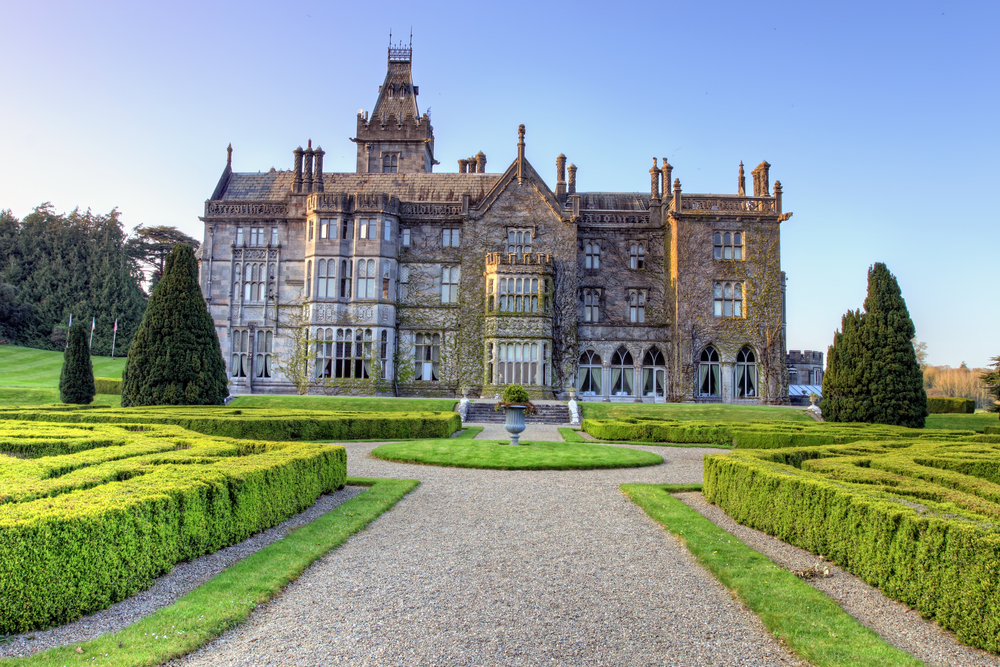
(804, 368)
(411, 282)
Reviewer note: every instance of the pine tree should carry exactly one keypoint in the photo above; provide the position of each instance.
(76, 381)
(839, 391)
(175, 358)
(892, 379)
(992, 381)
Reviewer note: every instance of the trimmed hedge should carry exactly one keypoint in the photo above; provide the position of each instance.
(123, 503)
(757, 435)
(940, 405)
(918, 519)
(108, 385)
(261, 423)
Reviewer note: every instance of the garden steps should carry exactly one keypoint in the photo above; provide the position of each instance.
(549, 412)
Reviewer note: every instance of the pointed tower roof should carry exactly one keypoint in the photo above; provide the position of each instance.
(398, 95)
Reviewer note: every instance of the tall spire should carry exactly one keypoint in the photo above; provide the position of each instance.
(398, 96)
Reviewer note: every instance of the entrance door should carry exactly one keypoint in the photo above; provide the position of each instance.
(660, 385)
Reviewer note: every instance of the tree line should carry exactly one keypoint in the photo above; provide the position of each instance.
(54, 265)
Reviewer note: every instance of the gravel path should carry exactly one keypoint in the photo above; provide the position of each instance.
(181, 580)
(506, 568)
(894, 622)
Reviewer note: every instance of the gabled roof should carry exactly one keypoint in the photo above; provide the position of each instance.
(276, 185)
(521, 170)
(397, 96)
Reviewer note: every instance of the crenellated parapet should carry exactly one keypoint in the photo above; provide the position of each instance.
(533, 261)
(343, 202)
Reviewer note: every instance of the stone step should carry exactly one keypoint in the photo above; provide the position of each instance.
(483, 413)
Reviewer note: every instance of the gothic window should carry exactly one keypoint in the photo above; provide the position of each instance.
(622, 372)
(311, 223)
(385, 281)
(519, 241)
(592, 256)
(517, 363)
(366, 279)
(345, 279)
(387, 230)
(519, 295)
(274, 236)
(324, 353)
(265, 342)
(426, 357)
(450, 238)
(636, 256)
(346, 356)
(239, 237)
(256, 236)
(390, 161)
(588, 381)
(384, 353)
(636, 305)
(367, 228)
(253, 282)
(728, 245)
(449, 284)
(728, 298)
(240, 366)
(746, 373)
(591, 305)
(406, 237)
(709, 373)
(324, 227)
(652, 382)
(309, 270)
(326, 281)
(347, 229)
(237, 275)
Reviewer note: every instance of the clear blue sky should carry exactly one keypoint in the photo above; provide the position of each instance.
(880, 119)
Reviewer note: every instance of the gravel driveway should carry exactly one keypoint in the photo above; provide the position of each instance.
(483, 567)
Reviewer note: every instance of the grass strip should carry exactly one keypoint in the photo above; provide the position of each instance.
(810, 623)
(498, 455)
(571, 435)
(468, 433)
(227, 599)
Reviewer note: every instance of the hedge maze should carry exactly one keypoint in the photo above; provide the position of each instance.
(918, 518)
(92, 512)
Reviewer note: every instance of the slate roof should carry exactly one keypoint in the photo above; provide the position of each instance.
(614, 201)
(403, 103)
(275, 186)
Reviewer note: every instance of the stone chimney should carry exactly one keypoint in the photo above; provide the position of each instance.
(571, 186)
(761, 182)
(667, 169)
(310, 154)
(463, 166)
(481, 162)
(297, 178)
(319, 169)
(561, 178)
(654, 183)
(741, 186)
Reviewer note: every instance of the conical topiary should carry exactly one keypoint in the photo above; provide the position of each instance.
(175, 358)
(893, 381)
(76, 381)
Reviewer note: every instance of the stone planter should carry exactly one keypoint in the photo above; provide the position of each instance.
(515, 422)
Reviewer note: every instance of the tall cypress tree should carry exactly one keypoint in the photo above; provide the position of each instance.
(839, 388)
(175, 358)
(76, 381)
(891, 375)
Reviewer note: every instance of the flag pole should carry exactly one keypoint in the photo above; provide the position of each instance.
(113, 337)
(93, 323)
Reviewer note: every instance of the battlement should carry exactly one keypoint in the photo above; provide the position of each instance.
(375, 127)
(342, 202)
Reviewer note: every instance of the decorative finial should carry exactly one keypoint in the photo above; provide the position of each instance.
(229, 155)
(310, 146)
(654, 163)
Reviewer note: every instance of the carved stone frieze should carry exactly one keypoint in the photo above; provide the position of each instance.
(615, 218)
(430, 209)
(728, 204)
(245, 209)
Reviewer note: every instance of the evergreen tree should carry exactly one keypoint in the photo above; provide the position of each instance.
(890, 374)
(175, 358)
(992, 381)
(76, 381)
(840, 380)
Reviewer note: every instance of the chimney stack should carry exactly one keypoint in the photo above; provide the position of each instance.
(310, 153)
(571, 188)
(297, 179)
(319, 168)
(561, 178)
(654, 183)
(666, 170)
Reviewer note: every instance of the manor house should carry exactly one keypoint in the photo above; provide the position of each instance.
(399, 280)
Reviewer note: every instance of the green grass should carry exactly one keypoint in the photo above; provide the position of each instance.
(719, 412)
(469, 433)
(498, 455)
(974, 422)
(28, 367)
(809, 623)
(346, 403)
(571, 435)
(226, 600)
(26, 396)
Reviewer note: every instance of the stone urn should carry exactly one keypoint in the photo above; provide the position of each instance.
(515, 422)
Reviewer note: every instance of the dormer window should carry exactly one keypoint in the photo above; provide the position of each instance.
(390, 162)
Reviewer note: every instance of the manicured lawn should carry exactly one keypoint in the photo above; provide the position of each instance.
(347, 403)
(694, 411)
(973, 422)
(810, 623)
(15, 396)
(498, 455)
(27, 367)
(228, 599)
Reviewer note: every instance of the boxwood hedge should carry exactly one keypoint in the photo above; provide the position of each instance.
(261, 423)
(757, 435)
(918, 519)
(108, 385)
(92, 513)
(939, 405)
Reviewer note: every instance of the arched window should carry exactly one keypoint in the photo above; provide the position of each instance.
(321, 279)
(588, 378)
(519, 241)
(449, 284)
(622, 373)
(709, 373)
(591, 305)
(427, 353)
(728, 246)
(324, 353)
(652, 382)
(637, 256)
(728, 298)
(592, 256)
(309, 270)
(240, 366)
(265, 342)
(345, 279)
(384, 353)
(746, 373)
(517, 363)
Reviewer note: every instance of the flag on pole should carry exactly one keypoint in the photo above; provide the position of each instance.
(114, 336)
(71, 319)
(93, 325)
(116, 326)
